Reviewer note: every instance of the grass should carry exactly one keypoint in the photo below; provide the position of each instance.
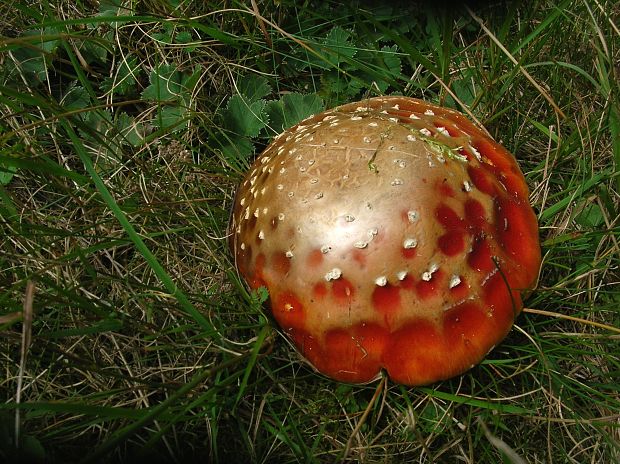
(125, 331)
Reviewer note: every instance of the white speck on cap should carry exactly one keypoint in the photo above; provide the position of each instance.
(289, 254)
(428, 275)
(476, 153)
(412, 216)
(444, 131)
(381, 281)
(413, 116)
(425, 131)
(454, 281)
(261, 235)
(334, 274)
(429, 113)
(410, 243)
(360, 244)
(401, 275)
(467, 186)
(397, 182)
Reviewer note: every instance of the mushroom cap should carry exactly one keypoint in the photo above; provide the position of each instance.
(391, 234)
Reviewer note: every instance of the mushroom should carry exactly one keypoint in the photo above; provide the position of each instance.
(391, 234)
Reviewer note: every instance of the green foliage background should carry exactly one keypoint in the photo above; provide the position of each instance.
(125, 126)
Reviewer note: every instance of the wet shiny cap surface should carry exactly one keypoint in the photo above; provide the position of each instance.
(391, 234)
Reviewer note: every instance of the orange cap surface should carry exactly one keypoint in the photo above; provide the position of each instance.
(391, 234)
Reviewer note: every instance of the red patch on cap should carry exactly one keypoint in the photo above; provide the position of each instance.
(447, 217)
(445, 190)
(495, 153)
(319, 291)
(386, 299)
(288, 310)
(315, 258)
(416, 354)
(408, 253)
(452, 242)
(513, 228)
(475, 215)
(482, 180)
(354, 353)
(466, 327)
(480, 258)
(504, 304)
(280, 263)
(343, 290)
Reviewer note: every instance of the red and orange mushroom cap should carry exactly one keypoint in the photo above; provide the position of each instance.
(391, 234)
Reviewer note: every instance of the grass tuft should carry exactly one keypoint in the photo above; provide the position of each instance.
(124, 129)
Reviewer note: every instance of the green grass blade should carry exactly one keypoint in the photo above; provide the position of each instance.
(158, 269)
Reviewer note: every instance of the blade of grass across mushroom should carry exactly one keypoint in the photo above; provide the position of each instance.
(160, 272)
